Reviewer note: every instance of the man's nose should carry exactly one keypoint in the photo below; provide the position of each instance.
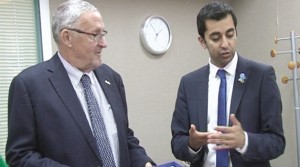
(102, 43)
(224, 42)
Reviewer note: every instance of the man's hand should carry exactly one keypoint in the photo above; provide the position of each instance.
(197, 139)
(228, 137)
(148, 164)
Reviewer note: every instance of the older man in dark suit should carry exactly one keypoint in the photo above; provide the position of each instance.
(71, 111)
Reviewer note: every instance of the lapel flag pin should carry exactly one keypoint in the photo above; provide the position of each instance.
(242, 78)
(107, 82)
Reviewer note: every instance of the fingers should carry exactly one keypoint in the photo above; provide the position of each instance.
(226, 129)
(221, 141)
(192, 129)
(228, 137)
(148, 164)
(226, 141)
(197, 139)
(217, 138)
(234, 120)
(223, 129)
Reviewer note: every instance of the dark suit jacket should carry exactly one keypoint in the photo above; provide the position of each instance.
(48, 128)
(256, 104)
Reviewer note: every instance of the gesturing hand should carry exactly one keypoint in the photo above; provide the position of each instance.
(197, 139)
(228, 137)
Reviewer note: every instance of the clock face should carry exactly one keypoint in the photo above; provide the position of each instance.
(156, 35)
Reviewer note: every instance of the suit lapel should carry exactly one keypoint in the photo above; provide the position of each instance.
(109, 87)
(202, 93)
(107, 84)
(239, 84)
(63, 86)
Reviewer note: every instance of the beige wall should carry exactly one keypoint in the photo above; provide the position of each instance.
(151, 82)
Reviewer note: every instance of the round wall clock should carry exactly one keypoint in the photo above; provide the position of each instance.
(155, 34)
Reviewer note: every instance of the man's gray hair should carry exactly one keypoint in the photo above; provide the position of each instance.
(67, 14)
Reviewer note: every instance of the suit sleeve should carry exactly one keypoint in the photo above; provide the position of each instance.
(180, 126)
(269, 142)
(21, 146)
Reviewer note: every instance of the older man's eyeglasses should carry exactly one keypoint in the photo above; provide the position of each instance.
(95, 37)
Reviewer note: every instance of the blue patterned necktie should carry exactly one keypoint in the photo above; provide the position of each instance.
(222, 155)
(98, 125)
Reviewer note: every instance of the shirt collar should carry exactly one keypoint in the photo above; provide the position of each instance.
(74, 73)
(230, 68)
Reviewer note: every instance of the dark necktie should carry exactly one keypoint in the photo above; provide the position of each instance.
(98, 125)
(222, 155)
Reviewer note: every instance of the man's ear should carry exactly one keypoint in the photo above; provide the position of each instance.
(65, 38)
(202, 42)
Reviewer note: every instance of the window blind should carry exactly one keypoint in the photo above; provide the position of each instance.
(19, 49)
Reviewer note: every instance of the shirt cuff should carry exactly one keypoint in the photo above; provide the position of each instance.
(194, 152)
(195, 155)
(245, 147)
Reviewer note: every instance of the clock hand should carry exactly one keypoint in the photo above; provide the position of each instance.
(159, 31)
(153, 28)
(156, 33)
(161, 28)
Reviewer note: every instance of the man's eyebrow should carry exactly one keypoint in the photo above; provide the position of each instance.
(230, 30)
(214, 33)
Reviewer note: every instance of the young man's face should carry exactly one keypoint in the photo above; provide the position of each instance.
(220, 39)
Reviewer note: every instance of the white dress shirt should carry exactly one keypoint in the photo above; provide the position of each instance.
(213, 92)
(212, 116)
(105, 108)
